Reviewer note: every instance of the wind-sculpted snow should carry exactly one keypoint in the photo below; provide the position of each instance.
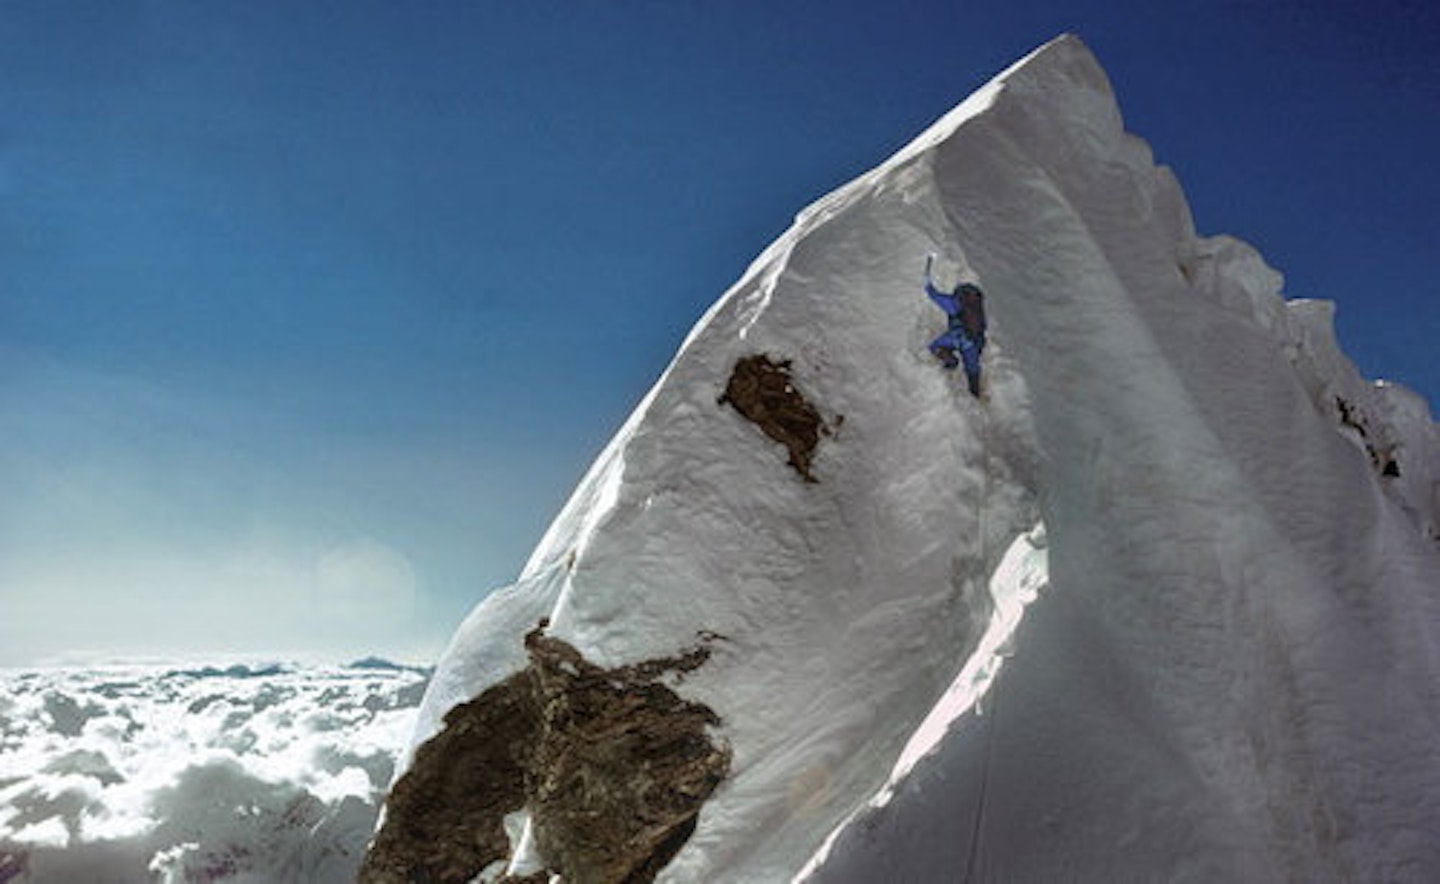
(144, 773)
(1231, 672)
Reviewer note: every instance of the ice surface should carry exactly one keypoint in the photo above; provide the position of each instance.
(1232, 674)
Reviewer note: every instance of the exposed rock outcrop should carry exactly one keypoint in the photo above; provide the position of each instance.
(445, 818)
(611, 764)
(765, 394)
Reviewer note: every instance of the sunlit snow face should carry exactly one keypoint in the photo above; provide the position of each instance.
(175, 771)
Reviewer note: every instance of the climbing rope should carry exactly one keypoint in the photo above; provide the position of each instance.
(977, 829)
(981, 514)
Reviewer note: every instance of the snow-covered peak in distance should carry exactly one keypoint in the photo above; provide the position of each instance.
(1226, 537)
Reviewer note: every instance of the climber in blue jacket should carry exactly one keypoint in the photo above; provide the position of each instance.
(965, 329)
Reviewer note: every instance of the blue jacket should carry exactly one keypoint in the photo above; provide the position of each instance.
(964, 309)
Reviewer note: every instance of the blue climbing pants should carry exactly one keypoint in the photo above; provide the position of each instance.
(956, 341)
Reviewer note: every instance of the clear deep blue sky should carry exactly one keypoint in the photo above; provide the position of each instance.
(312, 313)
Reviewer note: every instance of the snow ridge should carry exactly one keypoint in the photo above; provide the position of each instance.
(1240, 540)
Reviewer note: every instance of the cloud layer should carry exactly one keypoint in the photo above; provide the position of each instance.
(269, 772)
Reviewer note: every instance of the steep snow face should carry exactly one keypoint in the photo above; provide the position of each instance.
(1231, 674)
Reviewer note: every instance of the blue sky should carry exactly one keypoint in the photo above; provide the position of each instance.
(312, 314)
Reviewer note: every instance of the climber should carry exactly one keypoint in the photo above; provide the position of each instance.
(965, 331)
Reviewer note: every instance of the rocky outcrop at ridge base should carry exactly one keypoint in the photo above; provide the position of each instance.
(611, 765)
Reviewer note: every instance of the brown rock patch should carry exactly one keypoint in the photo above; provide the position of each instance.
(765, 394)
(612, 764)
(444, 817)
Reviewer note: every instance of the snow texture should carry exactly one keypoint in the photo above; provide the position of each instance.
(1228, 539)
(145, 773)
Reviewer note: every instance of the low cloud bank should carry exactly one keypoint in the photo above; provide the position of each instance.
(221, 773)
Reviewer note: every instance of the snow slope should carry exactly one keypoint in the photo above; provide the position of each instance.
(1230, 670)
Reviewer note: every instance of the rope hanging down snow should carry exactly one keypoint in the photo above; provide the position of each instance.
(983, 507)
